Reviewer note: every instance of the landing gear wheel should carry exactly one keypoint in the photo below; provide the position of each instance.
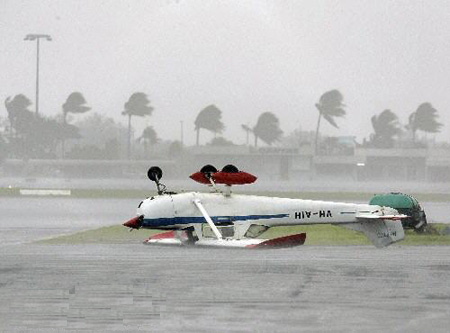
(154, 173)
(230, 168)
(208, 169)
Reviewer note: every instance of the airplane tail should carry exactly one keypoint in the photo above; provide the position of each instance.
(381, 232)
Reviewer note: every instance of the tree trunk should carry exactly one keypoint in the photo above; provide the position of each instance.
(317, 133)
(63, 141)
(198, 136)
(129, 137)
(256, 140)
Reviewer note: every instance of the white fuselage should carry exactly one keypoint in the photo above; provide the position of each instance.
(178, 211)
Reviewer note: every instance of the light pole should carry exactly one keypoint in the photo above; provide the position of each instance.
(37, 37)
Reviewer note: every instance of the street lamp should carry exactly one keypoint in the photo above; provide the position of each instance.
(37, 37)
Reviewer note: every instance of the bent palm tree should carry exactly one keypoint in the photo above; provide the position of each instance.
(424, 119)
(386, 127)
(267, 128)
(137, 105)
(210, 119)
(75, 103)
(17, 109)
(330, 105)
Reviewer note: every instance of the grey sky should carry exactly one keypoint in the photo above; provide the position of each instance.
(247, 57)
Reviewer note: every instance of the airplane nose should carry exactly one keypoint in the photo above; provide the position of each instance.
(135, 222)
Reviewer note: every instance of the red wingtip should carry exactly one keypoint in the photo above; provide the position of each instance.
(282, 242)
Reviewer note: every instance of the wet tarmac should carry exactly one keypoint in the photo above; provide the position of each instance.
(135, 287)
(26, 219)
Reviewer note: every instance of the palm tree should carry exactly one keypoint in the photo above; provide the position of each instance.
(148, 136)
(247, 130)
(385, 126)
(75, 103)
(267, 128)
(17, 111)
(137, 105)
(424, 119)
(34, 135)
(330, 105)
(210, 119)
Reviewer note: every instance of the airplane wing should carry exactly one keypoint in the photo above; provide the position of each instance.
(171, 238)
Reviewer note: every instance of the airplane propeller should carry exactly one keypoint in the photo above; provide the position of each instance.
(134, 223)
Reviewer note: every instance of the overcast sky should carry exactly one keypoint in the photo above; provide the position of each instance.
(247, 57)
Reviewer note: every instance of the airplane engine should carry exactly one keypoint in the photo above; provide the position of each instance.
(404, 204)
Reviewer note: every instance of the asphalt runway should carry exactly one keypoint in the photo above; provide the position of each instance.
(134, 287)
(26, 219)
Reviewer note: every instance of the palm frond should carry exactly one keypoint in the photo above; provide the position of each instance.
(330, 119)
(425, 119)
(330, 105)
(138, 105)
(210, 119)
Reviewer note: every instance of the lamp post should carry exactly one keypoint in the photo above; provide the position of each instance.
(37, 37)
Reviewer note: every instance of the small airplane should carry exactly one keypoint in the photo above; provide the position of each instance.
(223, 219)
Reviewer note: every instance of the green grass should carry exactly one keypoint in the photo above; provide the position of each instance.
(316, 235)
(334, 235)
(320, 235)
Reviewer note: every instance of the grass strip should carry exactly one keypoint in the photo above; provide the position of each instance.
(316, 235)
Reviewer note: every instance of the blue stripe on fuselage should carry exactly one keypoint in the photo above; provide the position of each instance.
(168, 221)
